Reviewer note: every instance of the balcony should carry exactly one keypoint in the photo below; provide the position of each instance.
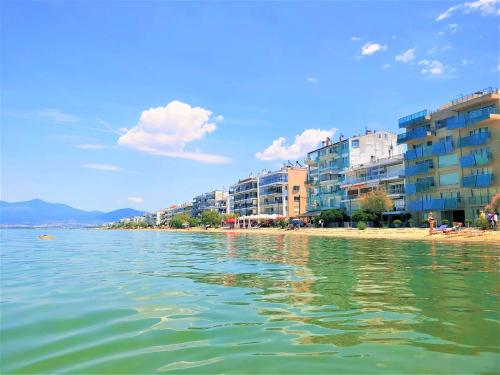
(414, 119)
(477, 181)
(474, 160)
(477, 139)
(418, 169)
(469, 120)
(441, 148)
(470, 99)
(437, 204)
(382, 176)
(311, 162)
(479, 201)
(412, 135)
(419, 187)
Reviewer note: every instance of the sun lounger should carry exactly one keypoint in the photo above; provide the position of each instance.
(441, 228)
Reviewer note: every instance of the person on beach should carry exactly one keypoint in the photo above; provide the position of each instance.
(431, 222)
(495, 220)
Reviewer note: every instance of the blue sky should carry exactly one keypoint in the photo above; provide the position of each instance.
(145, 104)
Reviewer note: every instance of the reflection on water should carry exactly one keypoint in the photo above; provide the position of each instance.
(97, 301)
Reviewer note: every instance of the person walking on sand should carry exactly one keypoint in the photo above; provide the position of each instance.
(431, 222)
(495, 220)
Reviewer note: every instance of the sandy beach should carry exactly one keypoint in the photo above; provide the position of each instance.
(467, 235)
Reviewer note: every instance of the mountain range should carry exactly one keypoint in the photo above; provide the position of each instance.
(37, 212)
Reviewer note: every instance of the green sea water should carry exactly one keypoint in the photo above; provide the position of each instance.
(94, 301)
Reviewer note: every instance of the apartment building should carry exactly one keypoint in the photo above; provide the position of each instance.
(327, 165)
(385, 173)
(215, 200)
(452, 163)
(244, 197)
(283, 192)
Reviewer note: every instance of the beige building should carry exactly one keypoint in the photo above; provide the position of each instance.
(452, 161)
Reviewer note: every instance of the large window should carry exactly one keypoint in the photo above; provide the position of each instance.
(448, 179)
(355, 143)
(447, 160)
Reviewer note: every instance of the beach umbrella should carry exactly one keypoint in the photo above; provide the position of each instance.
(231, 220)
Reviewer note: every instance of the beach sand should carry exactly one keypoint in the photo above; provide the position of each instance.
(467, 235)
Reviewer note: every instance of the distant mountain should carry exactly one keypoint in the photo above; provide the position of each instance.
(37, 212)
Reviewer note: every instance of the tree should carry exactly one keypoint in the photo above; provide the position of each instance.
(376, 202)
(331, 216)
(494, 205)
(194, 221)
(211, 218)
(361, 215)
(179, 219)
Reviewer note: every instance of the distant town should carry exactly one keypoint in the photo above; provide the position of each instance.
(443, 161)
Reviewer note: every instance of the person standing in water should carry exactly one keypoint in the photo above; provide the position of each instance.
(431, 222)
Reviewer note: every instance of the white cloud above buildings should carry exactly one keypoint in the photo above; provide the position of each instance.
(371, 48)
(165, 131)
(431, 67)
(483, 7)
(135, 200)
(406, 56)
(305, 142)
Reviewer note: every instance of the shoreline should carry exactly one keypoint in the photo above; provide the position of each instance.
(400, 234)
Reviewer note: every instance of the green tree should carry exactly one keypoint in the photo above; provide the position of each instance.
(376, 202)
(179, 219)
(361, 215)
(211, 218)
(331, 216)
(194, 221)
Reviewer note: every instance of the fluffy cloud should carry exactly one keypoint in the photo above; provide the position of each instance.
(305, 142)
(386, 66)
(371, 48)
(104, 167)
(484, 7)
(136, 200)
(406, 56)
(166, 131)
(431, 67)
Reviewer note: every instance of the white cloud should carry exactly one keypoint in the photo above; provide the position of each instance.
(370, 48)
(166, 131)
(91, 147)
(446, 48)
(219, 118)
(406, 56)
(57, 115)
(312, 80)
(453, 27)
(356, 38)
(466, 62)
(136, 200)
(305, 142)
(484, 7)
(431, 67)
(386, 66)
(104, 167)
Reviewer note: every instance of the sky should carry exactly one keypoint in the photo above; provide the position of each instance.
(108, 105)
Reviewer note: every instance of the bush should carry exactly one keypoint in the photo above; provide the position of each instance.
(411, 222)
(282, 223)
(397, 223)
(361, 225)
(331, 216)
(179, 219)
(362, 216)
(194, 222)
(482, 223)
(468, 222)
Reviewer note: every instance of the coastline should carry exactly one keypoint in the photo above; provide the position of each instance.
(405, 234)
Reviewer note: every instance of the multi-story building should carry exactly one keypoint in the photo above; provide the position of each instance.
(452, 163)
(244, 197)
(328, 164)
(215, 200)
(283, 192)
(386, 174)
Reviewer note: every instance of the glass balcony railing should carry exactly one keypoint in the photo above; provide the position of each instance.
(418, 169)
(435, 204)
(441, 148)
(479, 201)
(419, 187)
(477, 139)
(474, 160)
(477, 181)
(413, 119)
(418, 133)
(471, 119)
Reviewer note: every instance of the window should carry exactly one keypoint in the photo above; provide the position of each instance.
(448, 179)
(296, 188)
(296, 199)
(447, 160)
(355, 143)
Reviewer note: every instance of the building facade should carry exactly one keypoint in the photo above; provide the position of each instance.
(386, 174)
(452, 162)
(327, 165)
(244, 197)
(283, 192)
(215, 200)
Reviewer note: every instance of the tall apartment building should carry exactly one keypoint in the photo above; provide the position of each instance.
(244, 197)
(283, 192)
(452, 163)
(215, 200)
(328, 164)
(385, 173)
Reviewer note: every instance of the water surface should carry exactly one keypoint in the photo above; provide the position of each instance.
(153, 302)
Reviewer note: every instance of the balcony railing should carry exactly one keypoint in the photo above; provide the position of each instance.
(474, 160)
(419, 187)
(477, 139)
(474, 95)
(479, 201)
(413, 135)
(418, 169)
(477, 181)
(413, 119)
(435, 204)
(465, 121)
(381, 176)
